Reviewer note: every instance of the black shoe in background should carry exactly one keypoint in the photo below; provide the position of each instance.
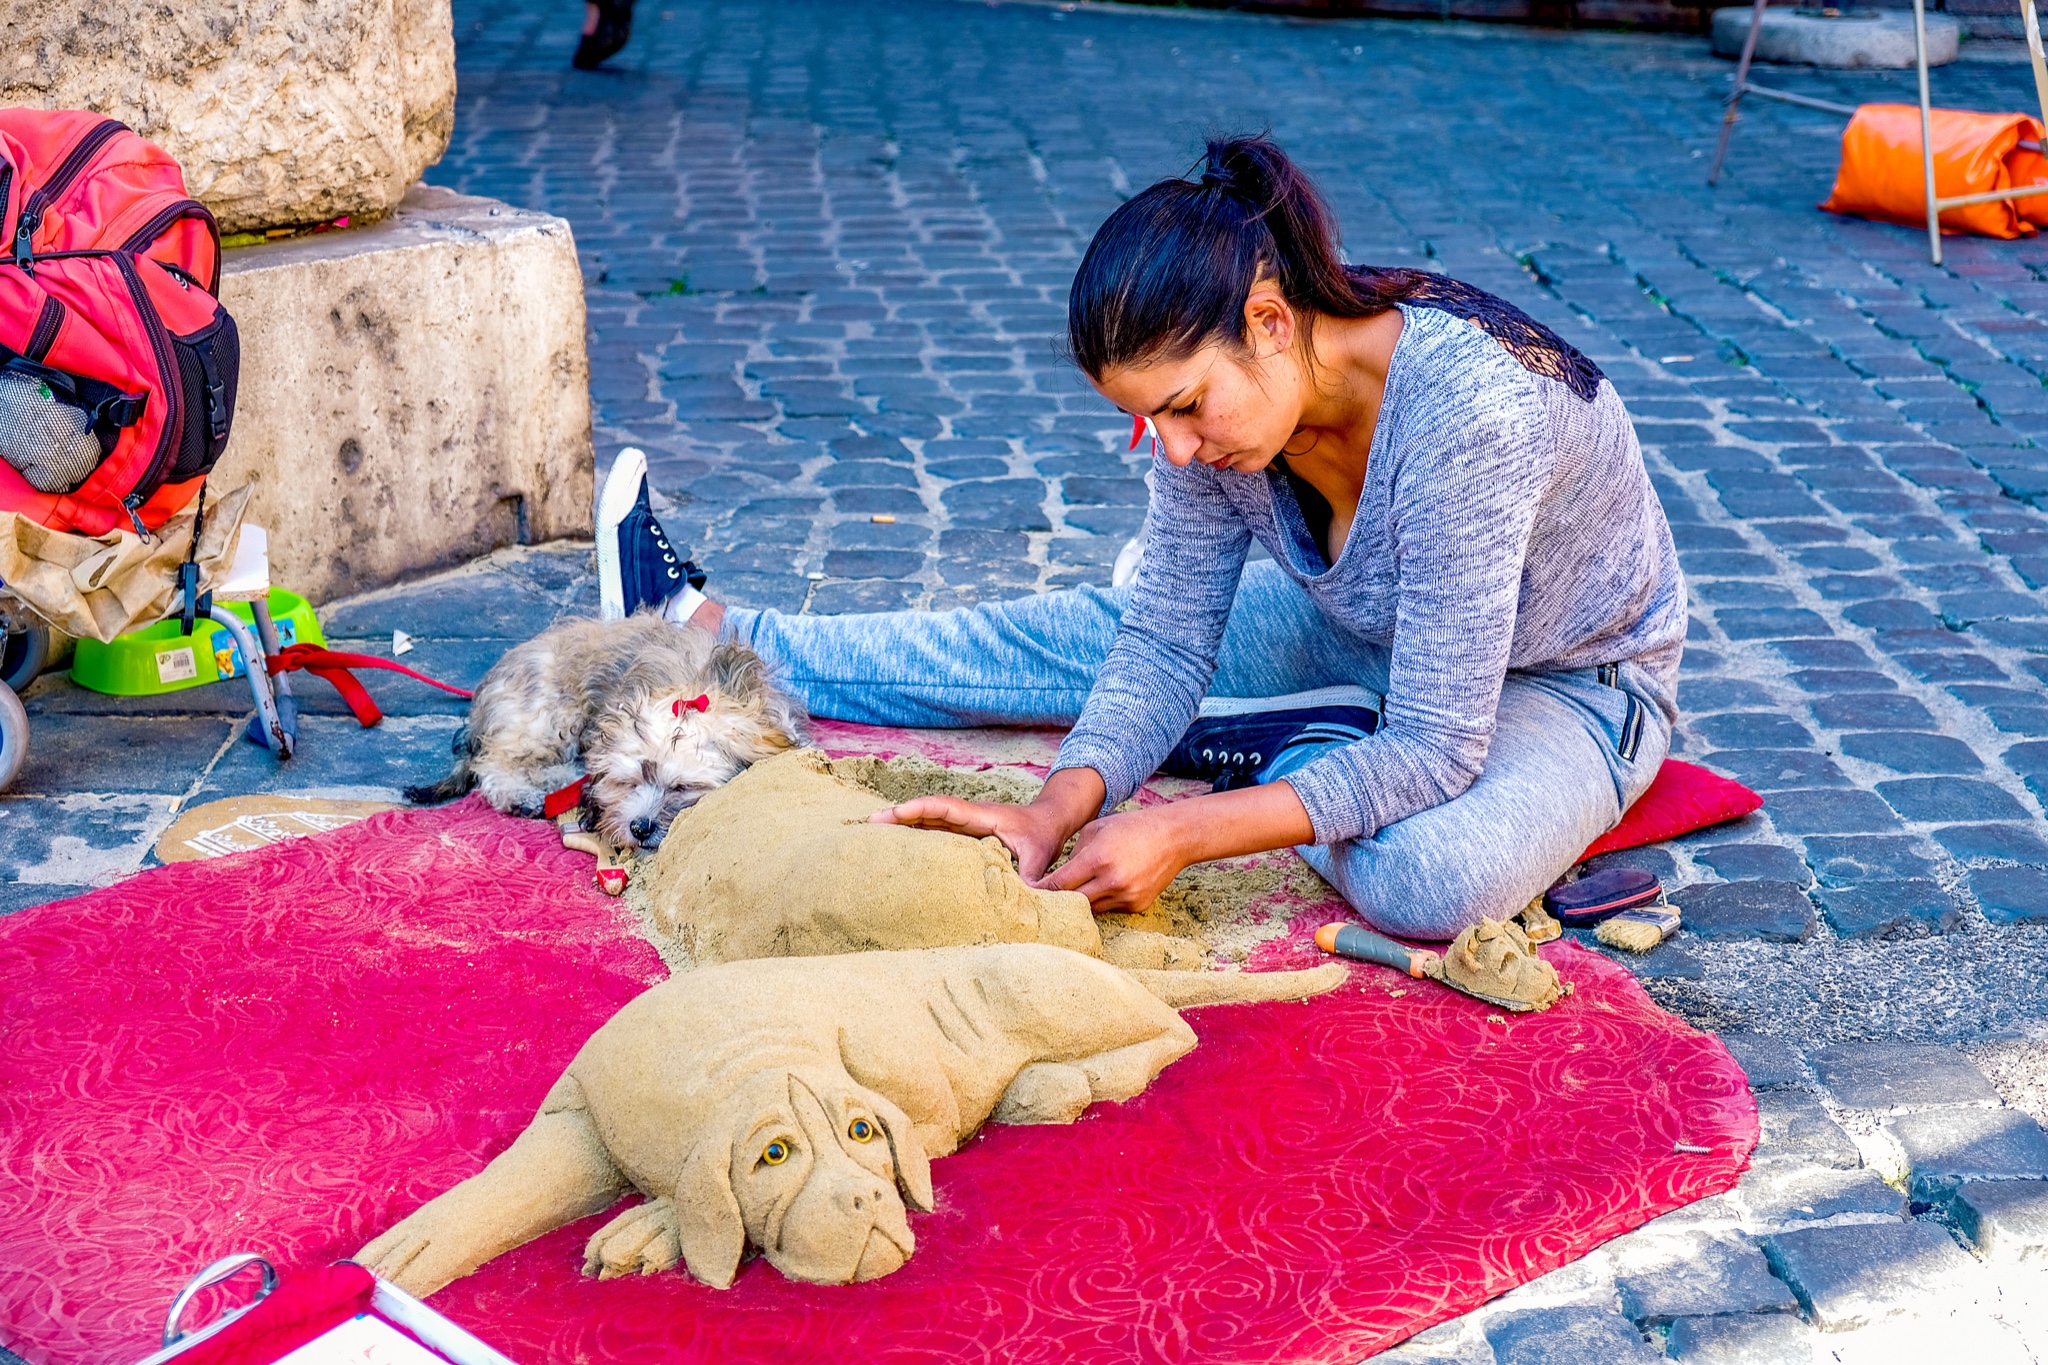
(614, 27)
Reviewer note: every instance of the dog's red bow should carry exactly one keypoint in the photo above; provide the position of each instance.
(699, 703)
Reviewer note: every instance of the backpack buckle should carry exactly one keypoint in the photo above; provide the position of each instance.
(195, 604)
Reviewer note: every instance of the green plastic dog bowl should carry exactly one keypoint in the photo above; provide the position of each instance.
(158, 659)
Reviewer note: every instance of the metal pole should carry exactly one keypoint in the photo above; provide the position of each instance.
(1756, 23)
(1927, 133)
(2033, 22)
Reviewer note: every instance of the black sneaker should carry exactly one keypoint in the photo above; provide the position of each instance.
(614, 27)
(1234, 738)
(636, 564)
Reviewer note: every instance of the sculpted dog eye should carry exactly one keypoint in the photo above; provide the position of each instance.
(775, 1153)
(860, 1130)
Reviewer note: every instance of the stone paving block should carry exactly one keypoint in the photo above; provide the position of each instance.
(1769, 770)
(2006, 1220)
(338, 758)
(1755, 862)
(1741, 1339)
(1566, 1336)
(1846, 1277)
(2004, 843)
(1946, 1147)
(1907, 752)
(1896, 1075)
(2011, 895)
(1950, 798)
(1830, 812)
(1846, 860)
(486, 605)
(1711, 1277)
(1870, 711)
(1795, 1127)
(1890, 909)
(102, 754)
(1778, 1193)
(1776, 912)
(1770, 1063)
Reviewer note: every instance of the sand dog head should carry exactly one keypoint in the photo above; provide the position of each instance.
(811, 1168)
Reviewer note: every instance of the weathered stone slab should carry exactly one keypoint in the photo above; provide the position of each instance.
(1795, 1127)
(1846, 1277)
(1946, 1147)
(1770, 1063)
(1913, 908)
(1741, 1339)
(1777, 912)
(2007, 1220)
(1710, 1277)
(413, 394)
(1777, 1194)
(280, 111)
(1890, 1075)
(1566, 1336)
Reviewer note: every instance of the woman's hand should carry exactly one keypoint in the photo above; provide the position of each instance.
(1031, 833)
(1122, 862)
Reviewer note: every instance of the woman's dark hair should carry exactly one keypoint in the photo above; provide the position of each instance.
(1169, 271)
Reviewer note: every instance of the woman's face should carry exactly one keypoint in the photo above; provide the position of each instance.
(1228, 407)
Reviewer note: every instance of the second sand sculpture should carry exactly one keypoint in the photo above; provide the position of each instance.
(796, 1104)
(782, 862)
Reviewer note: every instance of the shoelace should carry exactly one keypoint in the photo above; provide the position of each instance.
(1232, 769)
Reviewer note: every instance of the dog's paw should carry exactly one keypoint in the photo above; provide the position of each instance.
(642, 1240)
(1045, 1092)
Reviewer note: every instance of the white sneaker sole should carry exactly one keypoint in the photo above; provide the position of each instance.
(1344, 694)
(614, 505)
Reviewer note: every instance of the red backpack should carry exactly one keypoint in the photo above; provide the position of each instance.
(117, 363)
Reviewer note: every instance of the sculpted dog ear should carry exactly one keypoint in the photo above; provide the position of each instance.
(913, 1167)
(708, 1225)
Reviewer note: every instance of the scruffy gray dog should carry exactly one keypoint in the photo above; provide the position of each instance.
(657, 714)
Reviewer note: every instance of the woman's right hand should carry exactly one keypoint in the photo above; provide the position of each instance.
(1034, 834)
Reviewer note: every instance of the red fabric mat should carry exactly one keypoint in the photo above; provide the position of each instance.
(286, 1050)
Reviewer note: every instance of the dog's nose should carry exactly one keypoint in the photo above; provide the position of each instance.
(643, 829)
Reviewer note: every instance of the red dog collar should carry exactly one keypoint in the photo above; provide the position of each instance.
(699, 703)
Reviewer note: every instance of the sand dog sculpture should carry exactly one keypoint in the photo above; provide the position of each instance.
(796, 1104)
(781, 862)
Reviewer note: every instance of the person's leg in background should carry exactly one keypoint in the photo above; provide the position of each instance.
(1555, 780)
(607, 24)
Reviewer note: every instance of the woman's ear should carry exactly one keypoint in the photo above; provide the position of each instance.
(1269, 321)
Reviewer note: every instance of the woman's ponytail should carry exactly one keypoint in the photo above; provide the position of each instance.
(1170, 270)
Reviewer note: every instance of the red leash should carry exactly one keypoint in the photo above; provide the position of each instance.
(334, 666)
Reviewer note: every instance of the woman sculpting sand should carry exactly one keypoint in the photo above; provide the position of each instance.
(1456, 670)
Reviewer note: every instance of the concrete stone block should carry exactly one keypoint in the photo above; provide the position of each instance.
(1566, 1336)
(1770, 1063)
(1847, 1277)
(1795, 1127)
(280, 111)
(1777, 912)
(1777, 1194)
(1913, 908)
(413, 394)
(1708, 1278)
(1741, 1339)
(1894, 1075)
(1946, 1147)
(2012, 895)
(2007, 1220)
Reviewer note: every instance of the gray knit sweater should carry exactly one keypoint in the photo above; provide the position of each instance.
(1505, 524)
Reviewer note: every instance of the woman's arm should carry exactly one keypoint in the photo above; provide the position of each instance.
(1120, 862)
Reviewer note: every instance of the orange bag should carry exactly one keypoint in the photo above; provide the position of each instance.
(2029, 168)
(1882, 177)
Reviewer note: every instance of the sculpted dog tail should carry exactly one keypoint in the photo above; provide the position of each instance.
(459, 780)
(1184, 990)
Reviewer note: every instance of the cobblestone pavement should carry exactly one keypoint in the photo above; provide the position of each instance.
(826, 247)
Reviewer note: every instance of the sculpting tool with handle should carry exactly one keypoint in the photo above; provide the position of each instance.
(1351, 940)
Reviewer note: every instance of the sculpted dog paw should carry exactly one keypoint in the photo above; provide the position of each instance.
(641, 1241)
(1045, 1092)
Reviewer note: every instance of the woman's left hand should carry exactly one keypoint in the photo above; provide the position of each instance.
(1121, 862)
